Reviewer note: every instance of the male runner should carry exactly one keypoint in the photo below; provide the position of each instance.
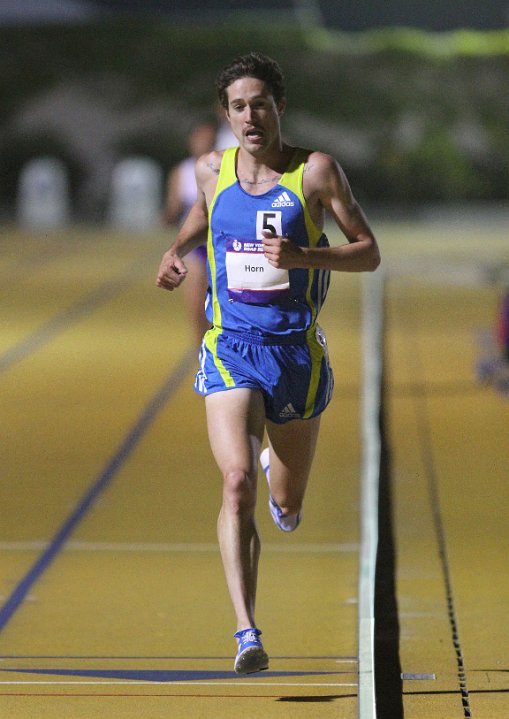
(264, 363)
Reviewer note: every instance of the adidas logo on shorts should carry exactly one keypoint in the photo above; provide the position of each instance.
(289, 412)
(284, 200)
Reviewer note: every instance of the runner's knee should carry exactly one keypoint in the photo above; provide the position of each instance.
(239, 492)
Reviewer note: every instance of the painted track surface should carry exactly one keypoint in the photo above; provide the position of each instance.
(109, 498)
(448, 463)
(114, 601)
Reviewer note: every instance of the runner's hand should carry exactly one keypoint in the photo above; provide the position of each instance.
(172, 272)
(282, 252)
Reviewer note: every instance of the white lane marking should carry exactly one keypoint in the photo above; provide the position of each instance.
(372, 341)
(251, 682)
(178, 547)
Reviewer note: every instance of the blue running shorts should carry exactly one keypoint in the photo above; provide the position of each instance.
(291, 371)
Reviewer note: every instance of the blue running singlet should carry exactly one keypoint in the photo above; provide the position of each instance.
(262, 308)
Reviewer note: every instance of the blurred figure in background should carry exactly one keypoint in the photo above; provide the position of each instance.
(180, 197)
(501, 375)
(503, 325)
(493, 365)
(225, 135)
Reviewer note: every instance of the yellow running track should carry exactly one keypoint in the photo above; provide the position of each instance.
(113, 601)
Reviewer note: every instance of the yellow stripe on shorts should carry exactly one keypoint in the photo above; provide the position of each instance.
(317, 353)
(210, 340)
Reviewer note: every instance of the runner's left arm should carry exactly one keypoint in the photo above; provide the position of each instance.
(327, 190)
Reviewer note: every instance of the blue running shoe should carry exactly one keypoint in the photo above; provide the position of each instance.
(284, 522)
(251, 656)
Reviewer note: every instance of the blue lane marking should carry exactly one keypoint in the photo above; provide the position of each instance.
(90, 497)
(161, 675)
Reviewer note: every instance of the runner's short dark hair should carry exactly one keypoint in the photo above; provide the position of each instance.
(254, 64)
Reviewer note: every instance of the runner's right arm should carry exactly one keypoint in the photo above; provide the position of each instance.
(193, 232)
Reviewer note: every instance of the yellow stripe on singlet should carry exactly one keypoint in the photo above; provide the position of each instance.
(226, 178)
(292, 180)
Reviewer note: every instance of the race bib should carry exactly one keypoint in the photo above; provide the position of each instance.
(250, 276)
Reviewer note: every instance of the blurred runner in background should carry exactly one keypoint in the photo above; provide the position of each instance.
(181, 194)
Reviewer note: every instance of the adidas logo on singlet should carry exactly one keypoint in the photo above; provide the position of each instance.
(284, 200)
(289, 412)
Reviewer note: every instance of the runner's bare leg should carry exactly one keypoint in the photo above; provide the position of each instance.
(291, 451)
(235, 420)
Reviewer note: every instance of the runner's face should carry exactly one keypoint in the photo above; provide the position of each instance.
(253, 114)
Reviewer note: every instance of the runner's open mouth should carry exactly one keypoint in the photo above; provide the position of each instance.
(254, 132)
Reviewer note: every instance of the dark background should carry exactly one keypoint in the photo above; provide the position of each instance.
(413, 116)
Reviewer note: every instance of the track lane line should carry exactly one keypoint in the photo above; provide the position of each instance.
(87, 501)
(372, 332)
(75, 312)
